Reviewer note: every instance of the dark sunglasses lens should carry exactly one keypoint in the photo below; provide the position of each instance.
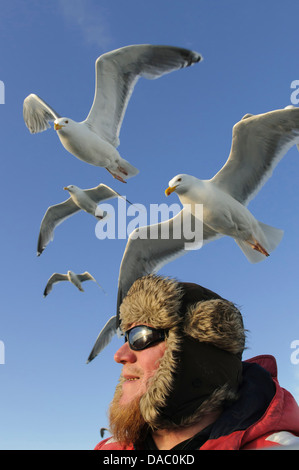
(141, 337)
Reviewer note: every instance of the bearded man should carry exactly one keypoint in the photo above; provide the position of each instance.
(184, 384)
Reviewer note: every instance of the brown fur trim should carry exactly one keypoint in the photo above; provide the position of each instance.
(162, 382)
(218, 322)
(152, 300)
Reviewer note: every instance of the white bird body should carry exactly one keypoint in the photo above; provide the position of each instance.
(221, 212)
(73, 278)
(224, 214)
(82, 200)
(99, 152)
(95, 139)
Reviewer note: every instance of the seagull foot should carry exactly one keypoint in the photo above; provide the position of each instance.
(122, 170)
(117, 177)
(258, 247)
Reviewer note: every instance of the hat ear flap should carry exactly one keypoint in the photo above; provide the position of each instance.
(218, 322)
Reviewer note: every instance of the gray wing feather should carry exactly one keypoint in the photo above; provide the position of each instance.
(258, 144)
(117, 73)
(101, 192)
(54, 216)
(85, 277)
(146, 255)
(56, 277)
(104, 338)
(37, 114)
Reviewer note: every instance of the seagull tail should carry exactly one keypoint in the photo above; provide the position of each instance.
(272, 238)
(126, 170)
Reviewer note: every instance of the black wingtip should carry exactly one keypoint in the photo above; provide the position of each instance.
(195, 58)
(89, 359)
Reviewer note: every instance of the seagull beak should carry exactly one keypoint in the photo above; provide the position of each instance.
(170, 190)
(65, 188)
(57, 127)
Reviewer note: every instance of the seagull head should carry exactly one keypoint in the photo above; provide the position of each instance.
(71, 188)
(62, 124)
(178, 184)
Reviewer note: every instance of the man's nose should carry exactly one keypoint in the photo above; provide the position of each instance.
(125, 354)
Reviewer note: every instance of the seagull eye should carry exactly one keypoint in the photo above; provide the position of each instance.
(66, 122)
(179, 179)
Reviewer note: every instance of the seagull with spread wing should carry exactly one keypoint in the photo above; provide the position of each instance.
(258, 144)
(80, 199)
(95, 139)
(72, 277)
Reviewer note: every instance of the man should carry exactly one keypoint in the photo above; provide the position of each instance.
(183, 383)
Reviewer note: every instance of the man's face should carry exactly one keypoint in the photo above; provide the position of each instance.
(138, 368)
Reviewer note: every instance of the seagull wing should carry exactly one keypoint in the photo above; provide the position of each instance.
(56, 277)
(146, 254)
(258, 144)
(88, 277)
(85, 277)
(37, 114)
(118, 71)
(102, 192)
(54, 216)
(104, 338)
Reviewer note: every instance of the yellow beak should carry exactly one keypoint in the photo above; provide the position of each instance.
(169, 190)
(58, 126)
(65, 188)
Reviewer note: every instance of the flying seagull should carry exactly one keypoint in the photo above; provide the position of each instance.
(148, 249)
(95, 139)
(80, 199)
(258, 144)
(75, 279)
(224, 214)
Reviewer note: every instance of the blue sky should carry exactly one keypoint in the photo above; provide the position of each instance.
(181, 123)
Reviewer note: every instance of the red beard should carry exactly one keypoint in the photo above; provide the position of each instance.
(126, 422)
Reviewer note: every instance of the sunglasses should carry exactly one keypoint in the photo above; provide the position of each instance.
(141, 337)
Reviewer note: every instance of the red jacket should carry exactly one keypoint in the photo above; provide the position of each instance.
(275, 424)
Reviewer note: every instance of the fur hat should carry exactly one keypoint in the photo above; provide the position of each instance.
(205, 333)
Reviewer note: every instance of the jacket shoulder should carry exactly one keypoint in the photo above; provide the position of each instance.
(266, 361)
(111, 444)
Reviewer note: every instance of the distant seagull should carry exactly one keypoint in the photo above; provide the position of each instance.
(75, 279)
(259, 142)
(95, 139)
(81, 199)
